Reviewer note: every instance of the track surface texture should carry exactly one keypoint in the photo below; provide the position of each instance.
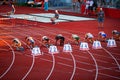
(94, 64)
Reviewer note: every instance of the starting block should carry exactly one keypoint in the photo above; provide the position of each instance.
(84, 46)
(53, 49)
(67, 48)
(96, 45)
(36, 51)
(111, 43)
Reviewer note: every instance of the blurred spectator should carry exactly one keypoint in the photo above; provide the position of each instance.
(87, 3)
(46, 5)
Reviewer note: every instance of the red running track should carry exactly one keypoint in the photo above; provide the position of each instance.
(100, 64)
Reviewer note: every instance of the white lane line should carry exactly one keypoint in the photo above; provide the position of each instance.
(31, 67)
(104, 56)
(3, 49)
(74, 68)
(118, 78)
(94, 61)
(74, 62)
(96, 65)
(81, 68)
(13, 59)
(110, 68)
(33, 61)
(113, 58)
(108, 57)
(53, 66)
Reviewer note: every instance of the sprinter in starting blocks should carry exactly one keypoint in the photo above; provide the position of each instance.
(116, 35)
(89, 37)
(30, 41)
(60, 38)
(17, 44)
(46, 41)
(76, 38)
(102, 36)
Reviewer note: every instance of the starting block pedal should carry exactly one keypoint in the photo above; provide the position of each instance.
(36, 51)
(67, 48)
(111, 43)
(53, 49)
(84, 46)
(96, 45)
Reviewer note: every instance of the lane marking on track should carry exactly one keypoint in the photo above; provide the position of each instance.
(96, 65)
(33, 65)
(52, 69)
(74, 68)
(110, 68)
(3, 49)
(113, 58)
(96, 72)
(54, 65)
(13, 59)
(30, 69)
(110, 76)
(33, 61)
(94, 61)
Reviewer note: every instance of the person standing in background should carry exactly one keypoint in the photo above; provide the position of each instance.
(101, 16)
(87, 4)
(46, 5)
(74, 4)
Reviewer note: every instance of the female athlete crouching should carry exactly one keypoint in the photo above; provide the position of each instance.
(60, 38)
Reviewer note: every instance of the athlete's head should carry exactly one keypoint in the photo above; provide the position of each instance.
(114, 31)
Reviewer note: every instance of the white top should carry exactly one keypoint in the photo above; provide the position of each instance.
(87, 4)
(45, 0)
(91, 3)
(89, 35)
(44, 37)
(17, 40)
(74, 35)
(101, 32)
(30, 38)
(59, 35)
